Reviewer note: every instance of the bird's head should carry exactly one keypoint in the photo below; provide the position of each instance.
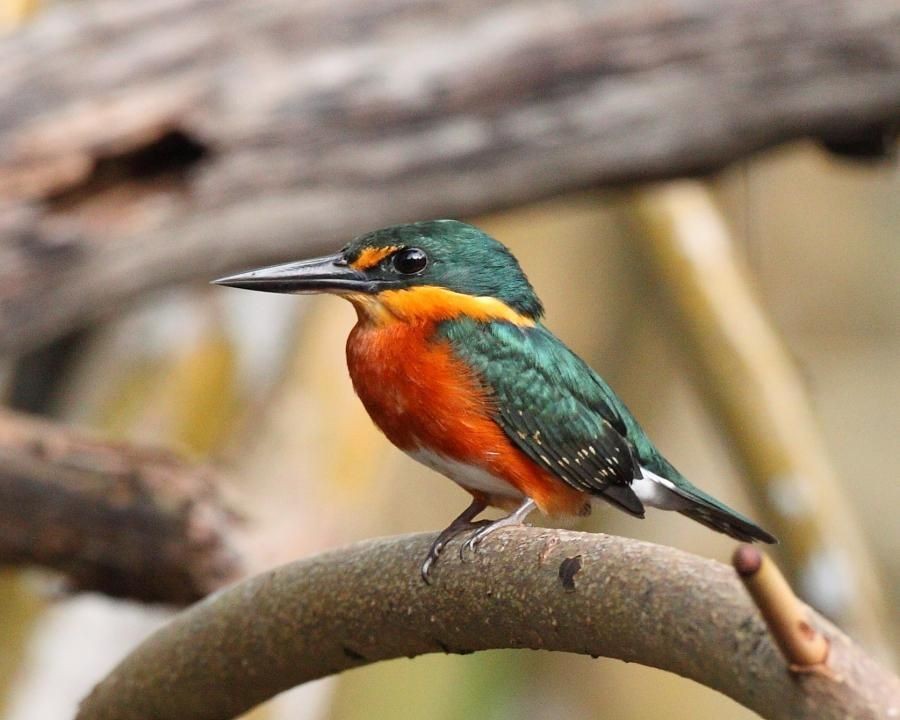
(435, 269)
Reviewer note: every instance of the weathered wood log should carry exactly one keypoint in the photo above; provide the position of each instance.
(150, 143)
(119, 519)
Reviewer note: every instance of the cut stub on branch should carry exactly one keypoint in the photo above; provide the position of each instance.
(127, 521)
(789, 620)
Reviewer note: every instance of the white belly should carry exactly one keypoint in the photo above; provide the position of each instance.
(471, 477)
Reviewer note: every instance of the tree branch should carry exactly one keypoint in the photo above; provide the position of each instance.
(527, 588)
(152, 143)
(124, 520)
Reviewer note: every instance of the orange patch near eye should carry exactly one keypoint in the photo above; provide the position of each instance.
(371, 256)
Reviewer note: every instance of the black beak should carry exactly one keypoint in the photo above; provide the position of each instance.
(329, 274)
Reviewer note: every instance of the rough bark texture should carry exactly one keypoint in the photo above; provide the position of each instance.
(123, 520)
(149, 143)
(527, 588)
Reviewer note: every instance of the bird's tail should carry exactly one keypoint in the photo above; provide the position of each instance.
(725, 520)
(708, 511)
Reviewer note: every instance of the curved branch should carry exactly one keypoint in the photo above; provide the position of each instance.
(125, 520)
(149, 144)
(527, 588)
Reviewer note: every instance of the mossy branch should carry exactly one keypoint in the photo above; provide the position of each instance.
(527, 588)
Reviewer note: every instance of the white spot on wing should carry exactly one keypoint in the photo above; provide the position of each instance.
(656, 491)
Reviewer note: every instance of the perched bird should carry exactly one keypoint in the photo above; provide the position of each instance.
(452, 362)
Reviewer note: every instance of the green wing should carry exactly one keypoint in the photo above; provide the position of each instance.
(552, 406)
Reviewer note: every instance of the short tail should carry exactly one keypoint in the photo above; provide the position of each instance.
(706, 510)
(724, 520)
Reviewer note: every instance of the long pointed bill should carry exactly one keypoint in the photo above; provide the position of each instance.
(329, 274)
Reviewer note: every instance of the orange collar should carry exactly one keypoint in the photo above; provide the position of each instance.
(431, 304)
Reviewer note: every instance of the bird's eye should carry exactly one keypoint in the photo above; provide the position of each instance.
(410, 261)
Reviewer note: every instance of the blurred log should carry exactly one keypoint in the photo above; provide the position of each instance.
(528, 588)
(151, 143)
(747, 378)
(123, 520)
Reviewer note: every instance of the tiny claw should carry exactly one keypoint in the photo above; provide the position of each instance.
(459, 525)
(474, 542)
(488, 527)
(462, 552)
(434, 552)
(425, 570)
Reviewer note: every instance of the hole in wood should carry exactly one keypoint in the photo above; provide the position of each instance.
(166, 157)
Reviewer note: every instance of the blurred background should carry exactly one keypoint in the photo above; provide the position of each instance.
(750, 319)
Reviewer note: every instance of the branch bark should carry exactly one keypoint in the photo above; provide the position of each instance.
(127, 521)
(527, 588)
(154, 143)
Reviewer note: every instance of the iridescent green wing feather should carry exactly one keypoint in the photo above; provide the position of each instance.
(549, 404)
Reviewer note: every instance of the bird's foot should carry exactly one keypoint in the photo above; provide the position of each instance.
(437, 547)
(517, 517)
(474, 542)
(463, 523)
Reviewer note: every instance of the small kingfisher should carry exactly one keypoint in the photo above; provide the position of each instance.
(453, 363)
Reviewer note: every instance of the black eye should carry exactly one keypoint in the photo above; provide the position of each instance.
(410, 261)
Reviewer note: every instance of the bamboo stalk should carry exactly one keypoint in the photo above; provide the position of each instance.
(752, 388)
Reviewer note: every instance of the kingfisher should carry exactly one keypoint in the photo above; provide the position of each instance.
(453, 363)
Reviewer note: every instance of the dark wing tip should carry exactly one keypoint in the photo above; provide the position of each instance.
(623, 497)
